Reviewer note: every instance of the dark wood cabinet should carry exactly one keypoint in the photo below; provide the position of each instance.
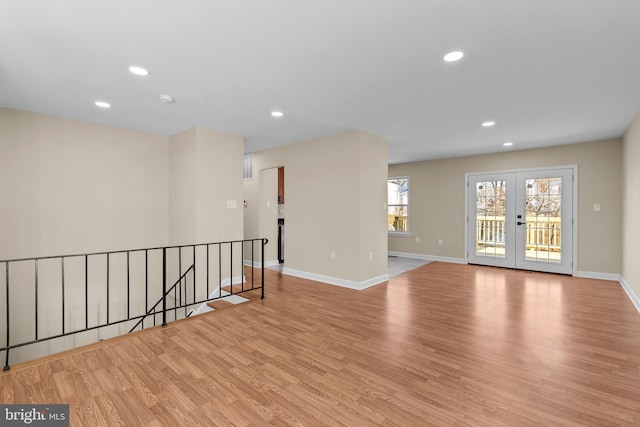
(281, 185)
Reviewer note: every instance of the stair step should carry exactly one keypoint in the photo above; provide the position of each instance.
(237, 289)
(252, 295)
(218, 304)
(236, 299)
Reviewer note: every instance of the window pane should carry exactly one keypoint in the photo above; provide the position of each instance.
(398, 191)
(544, 219)
(248, 166)
(398, 203)
(397, 220)
(490, 219)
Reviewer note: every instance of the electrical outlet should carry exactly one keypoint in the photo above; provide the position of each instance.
(370, 256)
(417, 239)
(333, 254)
(440, 242)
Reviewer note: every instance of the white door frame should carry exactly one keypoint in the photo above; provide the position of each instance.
(574, 213)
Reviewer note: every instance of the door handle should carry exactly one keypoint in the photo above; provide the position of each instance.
(521, 223)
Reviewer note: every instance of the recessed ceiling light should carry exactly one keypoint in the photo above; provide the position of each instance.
(453, 56)
(488, 124)
(508, 144)
(277, 113)
(138, 71)
(102, 104)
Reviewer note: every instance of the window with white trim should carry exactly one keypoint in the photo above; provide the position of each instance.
(398, 204)
(248, 166)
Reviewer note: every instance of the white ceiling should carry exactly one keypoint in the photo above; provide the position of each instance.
(547, 71)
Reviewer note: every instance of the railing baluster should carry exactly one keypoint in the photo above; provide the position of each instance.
(242, 265)
(180, 273)
(6, 363)
(86, 291)
(107, 288)
(220, 270)
(186, 293)
(175, 298)
(195, 276)
(164, 288)
(231, 268)
(264, 242)
(207, 271)
(36, 299)
(253, 264)
(128, 288)
(62, 269)
(146, 280)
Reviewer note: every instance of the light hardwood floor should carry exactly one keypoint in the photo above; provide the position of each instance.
(443, 345)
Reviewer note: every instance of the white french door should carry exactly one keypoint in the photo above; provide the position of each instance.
(521, 219)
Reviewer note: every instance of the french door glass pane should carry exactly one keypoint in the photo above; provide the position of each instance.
(543, 197)
(490, 217)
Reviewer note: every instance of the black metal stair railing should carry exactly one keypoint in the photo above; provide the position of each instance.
(153, 310)
(50, 298)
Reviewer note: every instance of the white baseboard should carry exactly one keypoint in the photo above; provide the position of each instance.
(632, 295)
(428, 257)
(336, 281)
(373, 281)
(596, 275)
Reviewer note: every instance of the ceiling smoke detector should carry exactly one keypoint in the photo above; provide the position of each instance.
(167, 99)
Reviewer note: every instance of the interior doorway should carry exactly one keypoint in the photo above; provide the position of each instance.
(271, 214)
(522, 219)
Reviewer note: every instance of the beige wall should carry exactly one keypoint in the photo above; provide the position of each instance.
(220, 165)
(437, 200)
(71, 187)
(182, 188)
(206, 192)
(328, 204)
(631, 212)
(206, 168)
(372, 195)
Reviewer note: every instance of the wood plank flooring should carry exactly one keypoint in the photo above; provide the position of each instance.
(442, 345)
